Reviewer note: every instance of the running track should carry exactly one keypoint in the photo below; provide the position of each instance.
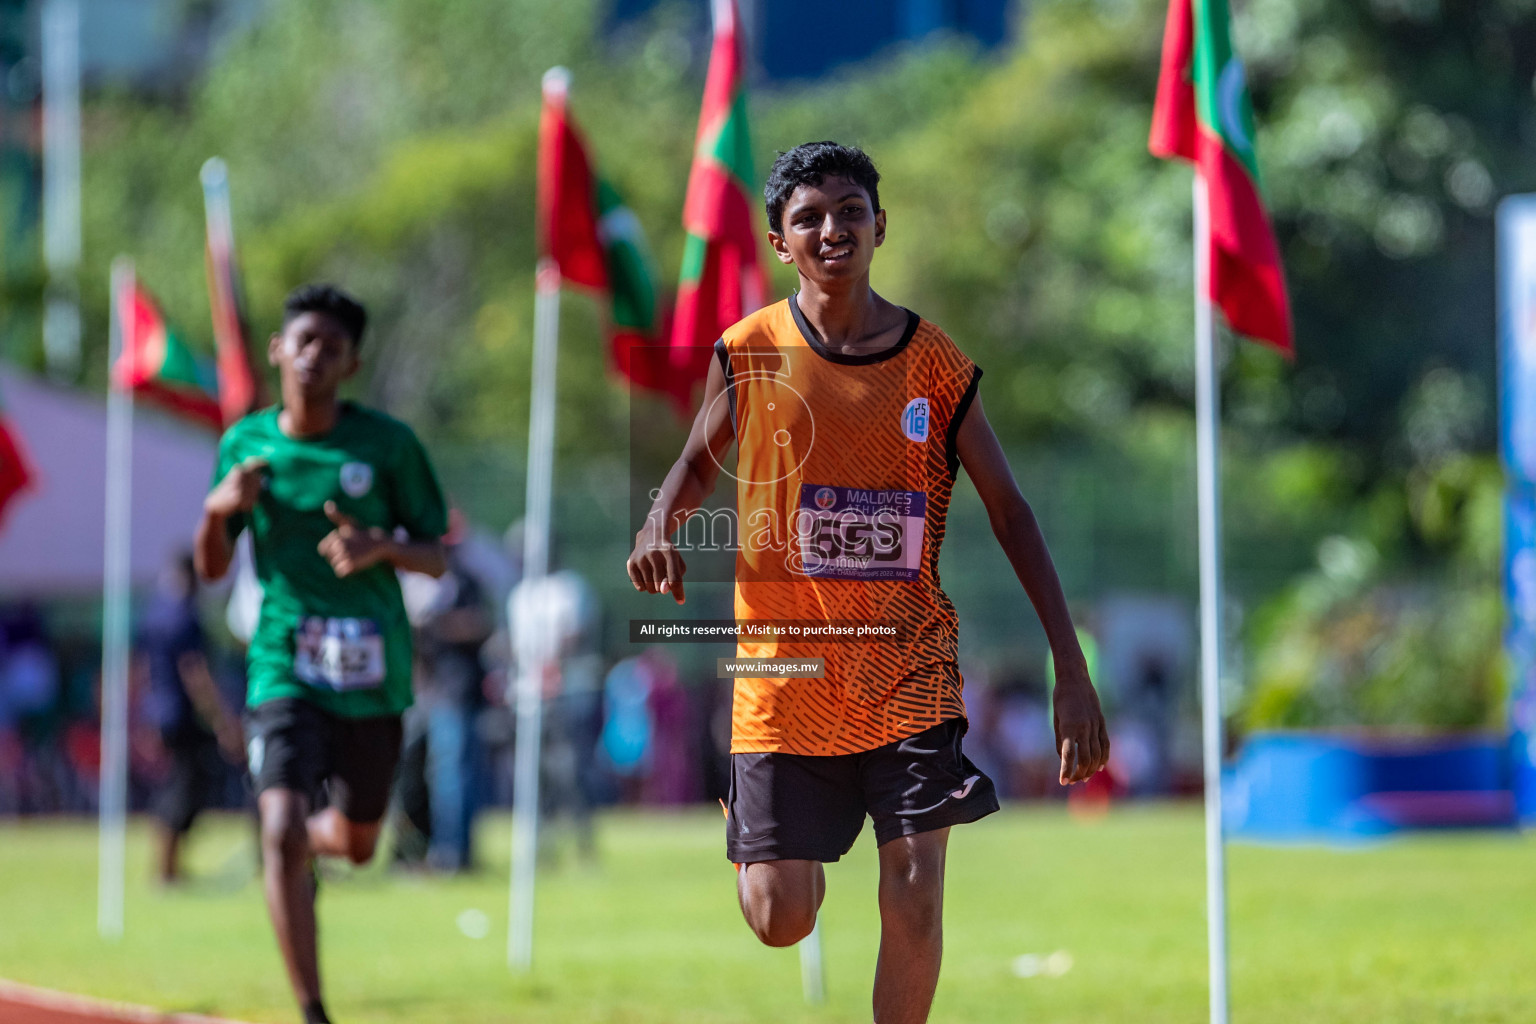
(22, 1004)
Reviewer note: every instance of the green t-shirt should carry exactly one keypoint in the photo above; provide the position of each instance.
(343, 644)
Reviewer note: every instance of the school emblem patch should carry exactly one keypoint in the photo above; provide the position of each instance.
(356, 478)
(914, 420)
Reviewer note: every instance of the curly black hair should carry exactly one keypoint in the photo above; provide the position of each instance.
(811, 163)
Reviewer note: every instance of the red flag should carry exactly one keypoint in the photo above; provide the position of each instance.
(596, 241)
(155, 363)
(1203, 115)
(16, 474)
(567, 194)
(240, 385)
(722, 279)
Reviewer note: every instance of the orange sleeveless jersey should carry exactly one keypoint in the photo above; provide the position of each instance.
(845, 469)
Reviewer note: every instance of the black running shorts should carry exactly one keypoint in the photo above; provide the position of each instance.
(804, 807)
(292, 744)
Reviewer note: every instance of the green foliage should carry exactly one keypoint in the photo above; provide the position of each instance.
(1355, 643)
(1382, 658)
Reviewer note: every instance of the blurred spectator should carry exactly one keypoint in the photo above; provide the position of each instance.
(555, 630)
(29, 673)
(410, 797)
(11, 754)
(82, 742)
(628, 727)
(982, 742)
(183, 704)
(457, 624)
(674, 775)
(1026, 738)
(12, 764)
(1142, 738)
(30, 694)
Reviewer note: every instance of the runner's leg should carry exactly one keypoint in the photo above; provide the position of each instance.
(289, 887)
(364, 756)
(911, 926)
(332, 834)
(780, 898)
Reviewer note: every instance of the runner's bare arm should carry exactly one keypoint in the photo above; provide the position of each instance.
(655, 565)
(213, 548)
(1082, 738)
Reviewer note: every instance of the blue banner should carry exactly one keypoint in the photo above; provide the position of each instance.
(1517, 336)
(1516, 224)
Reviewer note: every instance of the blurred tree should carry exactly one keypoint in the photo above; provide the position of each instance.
(1353, 643)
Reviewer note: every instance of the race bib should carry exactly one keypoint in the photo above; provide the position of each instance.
(343, 654)
(851, 534)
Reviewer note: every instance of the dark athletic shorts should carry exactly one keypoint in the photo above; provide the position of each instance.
(803, 807)
(292, 744)
(193, 775)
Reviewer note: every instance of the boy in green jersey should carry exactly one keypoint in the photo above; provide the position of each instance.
(337, 497)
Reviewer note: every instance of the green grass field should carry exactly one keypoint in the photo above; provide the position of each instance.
(1429, 929)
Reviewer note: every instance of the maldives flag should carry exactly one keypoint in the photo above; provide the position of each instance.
(1203, 115)
(722, 280)
(594, 239)
(15, 470)
(240, 387)
(157, 364)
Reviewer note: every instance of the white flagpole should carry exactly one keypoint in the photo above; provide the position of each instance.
(113, 785)
(1208, 475)
(530, 678)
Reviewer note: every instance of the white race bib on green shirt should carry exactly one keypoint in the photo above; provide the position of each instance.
(342, 654)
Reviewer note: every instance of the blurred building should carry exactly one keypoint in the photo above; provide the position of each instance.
(849, 31)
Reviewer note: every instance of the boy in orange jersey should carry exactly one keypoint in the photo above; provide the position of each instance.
(851, 416)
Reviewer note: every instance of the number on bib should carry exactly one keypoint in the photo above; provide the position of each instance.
(342, 654)
(849, 534)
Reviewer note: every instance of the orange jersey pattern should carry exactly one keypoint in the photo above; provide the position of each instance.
(844, 473)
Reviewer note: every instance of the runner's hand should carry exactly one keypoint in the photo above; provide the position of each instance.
(239, 489)
(1082, 738)
(655, 567)
(352, 548)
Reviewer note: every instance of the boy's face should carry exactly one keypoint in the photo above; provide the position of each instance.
(830, 232)
(315, 352)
